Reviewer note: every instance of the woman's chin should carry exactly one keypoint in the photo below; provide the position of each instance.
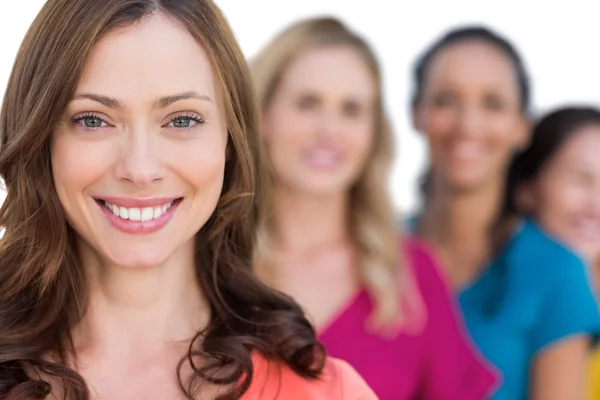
(136, 252)
(139, 263)
(140, 257)
(467, 181)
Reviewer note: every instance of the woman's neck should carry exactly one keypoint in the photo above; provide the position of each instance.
(140, 310)
(460, 225)
(314, 249)
(305, 223)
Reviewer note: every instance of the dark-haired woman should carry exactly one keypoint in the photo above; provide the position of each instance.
(525, 297)
(130, 152)
(556, 182)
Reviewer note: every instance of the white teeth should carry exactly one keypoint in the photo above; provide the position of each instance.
(137, 214)
(147, 214)
(134, 214)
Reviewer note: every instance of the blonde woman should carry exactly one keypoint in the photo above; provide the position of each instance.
(377, 300)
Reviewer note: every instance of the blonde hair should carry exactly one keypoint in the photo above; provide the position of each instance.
(373, 231)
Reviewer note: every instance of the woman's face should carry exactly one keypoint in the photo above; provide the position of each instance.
(138, 156)
(319, 125)
(471, 115)
(565, 198)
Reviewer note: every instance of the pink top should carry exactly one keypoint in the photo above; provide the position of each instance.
(439, 363)
(275, 382)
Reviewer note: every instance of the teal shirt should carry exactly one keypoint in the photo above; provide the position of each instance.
(535, 293)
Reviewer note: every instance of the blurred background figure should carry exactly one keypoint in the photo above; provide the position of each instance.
(559, 59)
(521, 314)
(377, 300)
(526, 298)
(556, 181)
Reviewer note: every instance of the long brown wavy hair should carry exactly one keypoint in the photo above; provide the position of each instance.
(373, 231)
(42, 291)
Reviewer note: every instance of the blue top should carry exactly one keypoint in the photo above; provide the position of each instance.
(535, 293)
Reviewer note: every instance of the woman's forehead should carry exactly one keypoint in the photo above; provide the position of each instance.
(149, 59)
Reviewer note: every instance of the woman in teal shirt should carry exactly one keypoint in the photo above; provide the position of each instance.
(556, 180)
(526, 299)
(535, 296)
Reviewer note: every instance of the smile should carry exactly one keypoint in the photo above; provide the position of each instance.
(138, 216)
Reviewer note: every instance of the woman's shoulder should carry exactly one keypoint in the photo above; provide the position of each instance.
(432, 294)
(339, 381)
(535, 243)
(537, 250)
(423, 261)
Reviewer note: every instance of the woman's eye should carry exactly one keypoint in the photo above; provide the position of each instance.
(93, 122)
(494, 103)
(443, 100)
(307, 103)
(184, 122)
(89, 122)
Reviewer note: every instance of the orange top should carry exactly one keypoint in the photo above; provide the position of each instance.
(339, 381)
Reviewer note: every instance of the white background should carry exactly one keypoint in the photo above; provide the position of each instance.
(560, 43)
